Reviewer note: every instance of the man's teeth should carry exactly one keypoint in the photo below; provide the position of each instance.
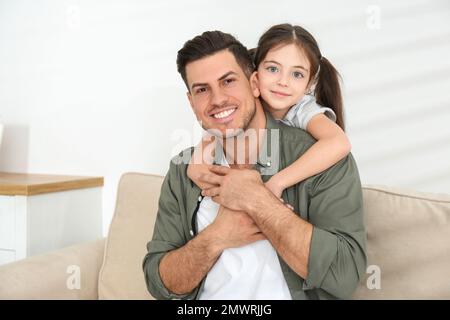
(223, 114)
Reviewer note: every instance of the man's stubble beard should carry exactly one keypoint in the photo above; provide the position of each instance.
(233, 141)
(231, 133)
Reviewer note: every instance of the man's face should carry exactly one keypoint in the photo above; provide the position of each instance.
(220, 93)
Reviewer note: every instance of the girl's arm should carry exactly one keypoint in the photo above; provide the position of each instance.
(332, 145)
(200, 163)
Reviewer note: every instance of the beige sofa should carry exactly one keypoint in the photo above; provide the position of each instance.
(408, 250)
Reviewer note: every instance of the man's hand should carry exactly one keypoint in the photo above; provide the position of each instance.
(234, 188)
(233, 229)
(243, 189)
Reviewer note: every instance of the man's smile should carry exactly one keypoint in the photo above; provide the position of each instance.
(223, 115)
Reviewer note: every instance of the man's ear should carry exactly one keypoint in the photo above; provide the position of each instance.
(190, 99)
(192, 104)
(254, 84)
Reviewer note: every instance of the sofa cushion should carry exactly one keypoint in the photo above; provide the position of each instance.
(121, 275)
(408, 241)
(54, 275)
(408, 237)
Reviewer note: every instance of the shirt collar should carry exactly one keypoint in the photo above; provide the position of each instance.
(268, 157)
(292, 113)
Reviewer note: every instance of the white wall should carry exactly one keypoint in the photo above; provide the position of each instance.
(91, 88)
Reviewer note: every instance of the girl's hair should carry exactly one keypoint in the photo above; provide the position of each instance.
(327, 89)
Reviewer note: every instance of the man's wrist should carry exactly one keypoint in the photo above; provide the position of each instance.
(260, 194)
(212, 247)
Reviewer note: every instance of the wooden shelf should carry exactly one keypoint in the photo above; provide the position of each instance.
(32, 184)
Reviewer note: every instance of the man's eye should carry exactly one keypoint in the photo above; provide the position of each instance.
(272, 69)
(200, 90)
(297, 75)
(228, 81)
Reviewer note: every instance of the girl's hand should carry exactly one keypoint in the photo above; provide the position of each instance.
(274, 186)
(196, 171)
(200, 163)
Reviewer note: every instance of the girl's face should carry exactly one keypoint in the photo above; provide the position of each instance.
(282, 78)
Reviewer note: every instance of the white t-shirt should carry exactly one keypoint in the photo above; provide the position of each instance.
(299, 115)
(251, 272)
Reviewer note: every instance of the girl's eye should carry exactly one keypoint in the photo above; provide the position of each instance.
(272, 69)
(297, 75)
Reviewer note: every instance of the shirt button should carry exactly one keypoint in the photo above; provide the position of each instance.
(269, 163)
(191, 232)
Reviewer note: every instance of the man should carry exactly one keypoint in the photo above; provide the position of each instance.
(252, 246)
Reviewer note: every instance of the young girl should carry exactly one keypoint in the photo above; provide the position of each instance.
(301, 88)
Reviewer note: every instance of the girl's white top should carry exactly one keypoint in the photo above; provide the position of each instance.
(300, 114)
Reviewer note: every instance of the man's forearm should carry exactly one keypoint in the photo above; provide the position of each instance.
(182, 270)
(288, 233)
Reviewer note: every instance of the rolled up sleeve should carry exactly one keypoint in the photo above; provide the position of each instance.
(337, 259)
(154, 282)
(168, 235)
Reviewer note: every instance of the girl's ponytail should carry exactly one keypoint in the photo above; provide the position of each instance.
(328, 90)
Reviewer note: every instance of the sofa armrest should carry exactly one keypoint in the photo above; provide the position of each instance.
(55, 275)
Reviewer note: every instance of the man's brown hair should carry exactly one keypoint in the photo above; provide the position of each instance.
(209, 43)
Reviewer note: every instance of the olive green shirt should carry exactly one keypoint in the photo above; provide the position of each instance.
(331, 201)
